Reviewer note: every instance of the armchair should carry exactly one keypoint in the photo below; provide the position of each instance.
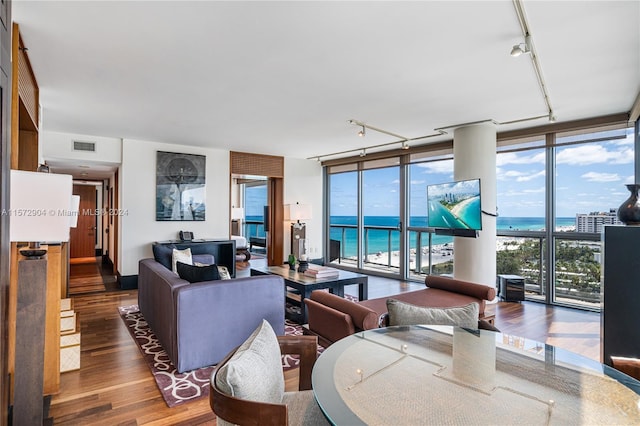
(249, 392)
(333, 317)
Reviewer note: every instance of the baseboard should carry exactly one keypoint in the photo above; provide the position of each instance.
(128, 282)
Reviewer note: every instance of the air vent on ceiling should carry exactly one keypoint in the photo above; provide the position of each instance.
(84, 146)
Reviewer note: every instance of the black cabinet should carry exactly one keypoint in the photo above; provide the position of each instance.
(620, 291)
(510, 288)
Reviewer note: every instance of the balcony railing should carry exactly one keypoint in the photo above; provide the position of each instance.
(253, 228)
(576, 270)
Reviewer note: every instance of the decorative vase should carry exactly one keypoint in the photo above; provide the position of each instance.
(629, 211)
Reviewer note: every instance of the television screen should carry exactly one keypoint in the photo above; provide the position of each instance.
(455, 205)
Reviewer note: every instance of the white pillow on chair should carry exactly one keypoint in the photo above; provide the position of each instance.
(254, 372)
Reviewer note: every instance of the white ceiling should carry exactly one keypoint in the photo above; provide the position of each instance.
(283, 78)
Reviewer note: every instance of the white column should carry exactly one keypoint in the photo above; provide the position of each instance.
(474, 156)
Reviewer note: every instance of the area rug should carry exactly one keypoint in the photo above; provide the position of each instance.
(179, 388)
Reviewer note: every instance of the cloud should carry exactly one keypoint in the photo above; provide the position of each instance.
(601, 177)
(527, 178)
(594, 154)
(444, 166)
(518, 176)
(502, 159)
(522, 193)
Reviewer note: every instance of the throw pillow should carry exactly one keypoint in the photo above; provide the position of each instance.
(254, 372)
(183, 256)
(196, 274)
(224, 272)
(401, 313)
(163, 254)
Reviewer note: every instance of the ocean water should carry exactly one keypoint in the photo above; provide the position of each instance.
(384, 240)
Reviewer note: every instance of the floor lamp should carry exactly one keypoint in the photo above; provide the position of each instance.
(295, 213)
(41, 210)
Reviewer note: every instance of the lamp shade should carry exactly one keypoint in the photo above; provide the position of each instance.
(237, 213)
(297, 212)
(75, 210)
(40, 206)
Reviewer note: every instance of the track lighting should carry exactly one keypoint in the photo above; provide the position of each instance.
(363, 152)
(362, 132)
(521, 48)
(405, 145)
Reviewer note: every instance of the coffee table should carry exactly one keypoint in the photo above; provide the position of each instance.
(303, 285)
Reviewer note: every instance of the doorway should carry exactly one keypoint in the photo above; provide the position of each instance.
(271, 169)
(87, 274)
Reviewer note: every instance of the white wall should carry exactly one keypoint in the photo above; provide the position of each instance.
(138, 227)
(60, 146)
(303, 184)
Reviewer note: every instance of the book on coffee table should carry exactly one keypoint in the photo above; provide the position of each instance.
(321, 272)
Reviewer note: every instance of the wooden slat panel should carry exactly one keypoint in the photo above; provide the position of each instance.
(27, 86)
(243, 163)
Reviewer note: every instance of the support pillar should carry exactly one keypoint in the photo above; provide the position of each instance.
(474, 156)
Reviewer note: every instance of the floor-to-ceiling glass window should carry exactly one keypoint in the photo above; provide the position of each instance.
(381, 214)
(555, 192)
(428, 253)
(343, 215)
(521, 221)
(591, 171)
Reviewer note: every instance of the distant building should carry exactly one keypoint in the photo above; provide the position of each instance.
(594, 221)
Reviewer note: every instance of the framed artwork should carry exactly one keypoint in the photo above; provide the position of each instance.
(180, 186)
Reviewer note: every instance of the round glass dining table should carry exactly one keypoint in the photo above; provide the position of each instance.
(412, 375)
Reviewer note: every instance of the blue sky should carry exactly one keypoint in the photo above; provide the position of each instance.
(589, 177)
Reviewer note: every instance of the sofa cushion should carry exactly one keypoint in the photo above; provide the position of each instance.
(183, 256)
(254, 372)
(163, 254)
(401, 313)
(196, 274)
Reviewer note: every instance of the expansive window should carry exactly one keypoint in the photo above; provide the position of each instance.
(428, 253)
(343, 217)
(590, 172)
(555, 192)
(381, 213)
(521, 222)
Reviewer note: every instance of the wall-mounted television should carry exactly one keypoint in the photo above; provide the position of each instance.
(455, 207)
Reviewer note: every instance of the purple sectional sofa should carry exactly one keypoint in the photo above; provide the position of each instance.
(198, 324)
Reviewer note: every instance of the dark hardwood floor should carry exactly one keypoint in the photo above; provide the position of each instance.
(115, 386)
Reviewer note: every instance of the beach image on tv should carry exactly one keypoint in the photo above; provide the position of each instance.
(455, 205)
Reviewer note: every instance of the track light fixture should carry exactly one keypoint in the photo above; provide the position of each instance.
(363, 152)
(521, 48)
(405, 145)
(362, 132)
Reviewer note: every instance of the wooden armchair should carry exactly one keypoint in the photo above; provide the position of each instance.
(295, 408)
(629, 366)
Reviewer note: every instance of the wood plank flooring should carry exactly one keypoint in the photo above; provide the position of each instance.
(115, 386)
(87, 276)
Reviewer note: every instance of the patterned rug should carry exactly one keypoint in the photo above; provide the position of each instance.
(179, 388)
